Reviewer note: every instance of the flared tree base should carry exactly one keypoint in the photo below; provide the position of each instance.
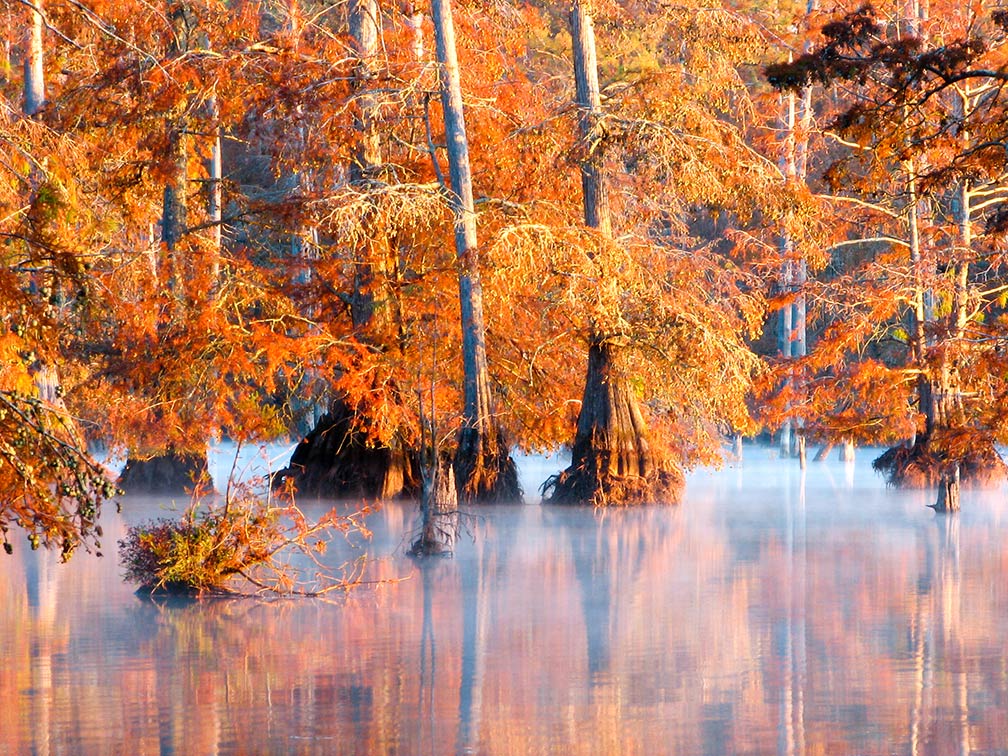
(925, 465)
(337, 460)
(613, 459)
(580, 485)
(169, 473)
(485, 470)
(948, 494)
(439, 526)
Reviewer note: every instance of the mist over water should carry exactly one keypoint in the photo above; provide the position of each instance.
(772, 611)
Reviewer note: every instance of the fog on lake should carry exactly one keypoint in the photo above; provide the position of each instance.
(772, 611)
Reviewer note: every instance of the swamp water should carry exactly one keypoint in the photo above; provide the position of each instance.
(771, 612)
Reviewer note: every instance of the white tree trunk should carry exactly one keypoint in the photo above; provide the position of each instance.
(34, 74)
(589, 101)
(484, 468)
(476, 410)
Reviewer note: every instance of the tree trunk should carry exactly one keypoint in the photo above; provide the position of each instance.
(784, 347)
(438, 511)
(785, 336)
(484, 470)
(174, 217)
(363, 18)
(612, 460)
(174, 470)
(847, 450)
(792, 336)
(594, 189)
(339, 458)
(823, 453)
(374, 306)
(175, 208)
(948, 492)
(34, 74)
(939, 456)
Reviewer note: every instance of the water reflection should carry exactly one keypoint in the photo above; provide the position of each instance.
(792, 726)
(940, 726)
(772, 612)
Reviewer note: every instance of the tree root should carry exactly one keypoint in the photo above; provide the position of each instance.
(581, 486)
(926, 465)
(484, 469)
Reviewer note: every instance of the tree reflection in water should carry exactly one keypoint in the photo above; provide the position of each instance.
(428, 657)
(766, 614)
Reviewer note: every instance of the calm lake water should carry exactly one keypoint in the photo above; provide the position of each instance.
(770, 612)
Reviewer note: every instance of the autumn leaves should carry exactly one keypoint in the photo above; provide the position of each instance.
(247, 213)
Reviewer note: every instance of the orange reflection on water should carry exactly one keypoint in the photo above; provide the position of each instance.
(779, 618)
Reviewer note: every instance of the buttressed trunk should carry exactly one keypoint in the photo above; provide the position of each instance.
(949, 452)
(611, 432)
(483, 468)
(340, 457)
(612, 459)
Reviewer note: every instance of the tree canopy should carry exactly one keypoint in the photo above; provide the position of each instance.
(217, 217)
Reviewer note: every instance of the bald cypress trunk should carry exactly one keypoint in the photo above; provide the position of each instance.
(34, 72)
(612, 460)
(484, 470)
(949, 452)
(792, 336)
(175, 208)
(339, 457)
(173, 470)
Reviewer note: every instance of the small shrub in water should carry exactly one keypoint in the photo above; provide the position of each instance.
(206, 550)
(197, 554)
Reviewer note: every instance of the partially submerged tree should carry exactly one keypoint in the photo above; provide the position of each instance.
(484, 469)
(792, 336)
(925, 123)
(613, 458)
(667, 303)
(347, 453)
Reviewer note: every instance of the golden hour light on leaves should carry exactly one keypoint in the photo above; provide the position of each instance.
(448, 231)
(917, 270)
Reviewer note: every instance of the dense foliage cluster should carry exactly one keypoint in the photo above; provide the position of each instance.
(243, 543)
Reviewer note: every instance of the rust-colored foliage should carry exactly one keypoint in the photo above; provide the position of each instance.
(909, 312)
(327, 279)
(244, 544)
